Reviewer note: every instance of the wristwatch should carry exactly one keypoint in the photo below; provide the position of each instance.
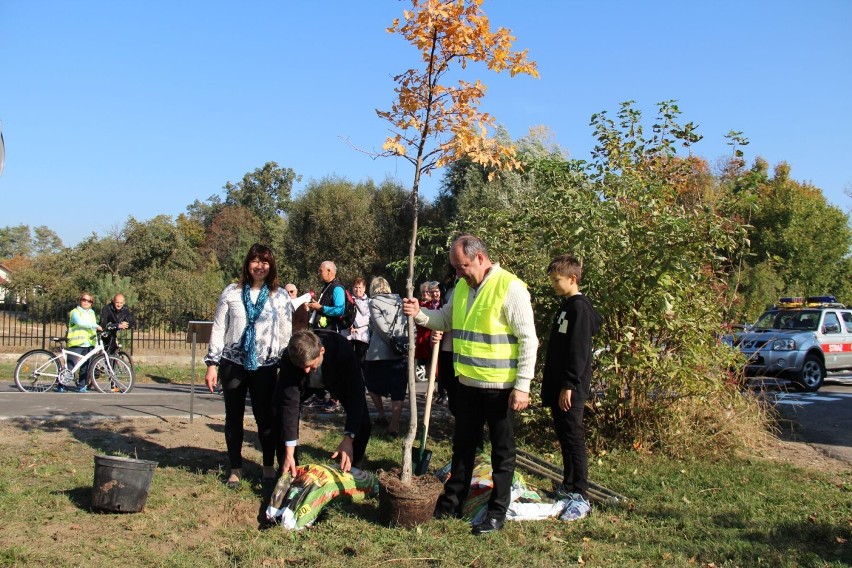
(350, 434)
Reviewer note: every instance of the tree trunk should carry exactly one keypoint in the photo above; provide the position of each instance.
(408, 444)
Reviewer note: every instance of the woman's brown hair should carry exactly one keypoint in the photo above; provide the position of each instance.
(264, 254)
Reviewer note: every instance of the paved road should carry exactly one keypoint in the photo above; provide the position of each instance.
(149, 399)
(822, 419)
(145, 400)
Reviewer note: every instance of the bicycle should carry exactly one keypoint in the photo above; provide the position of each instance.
(41, 370)
(113, 347)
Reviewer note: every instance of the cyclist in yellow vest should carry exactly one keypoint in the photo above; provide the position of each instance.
(83, 329)
(494, 350)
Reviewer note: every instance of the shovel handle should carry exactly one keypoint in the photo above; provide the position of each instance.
(427, 412)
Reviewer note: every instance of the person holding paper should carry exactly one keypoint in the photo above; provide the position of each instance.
(301, 314)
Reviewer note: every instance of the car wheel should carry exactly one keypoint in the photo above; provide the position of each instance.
(811, 376)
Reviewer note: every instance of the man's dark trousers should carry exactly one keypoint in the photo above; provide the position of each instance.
(474, 408)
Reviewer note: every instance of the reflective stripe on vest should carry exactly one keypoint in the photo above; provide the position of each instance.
(484, 348)
(81, 336)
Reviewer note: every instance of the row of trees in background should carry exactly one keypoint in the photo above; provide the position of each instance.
(790, 240)
(673, 248)
(189, 259)
(673, 252)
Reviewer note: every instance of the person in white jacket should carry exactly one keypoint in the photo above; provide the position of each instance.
(251, 328)
(359, 333)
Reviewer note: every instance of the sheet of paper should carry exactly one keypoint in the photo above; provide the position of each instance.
(297, 303)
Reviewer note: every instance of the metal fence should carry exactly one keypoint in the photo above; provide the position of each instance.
(159, 327)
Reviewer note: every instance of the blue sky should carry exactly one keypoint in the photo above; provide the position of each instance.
(124, 107)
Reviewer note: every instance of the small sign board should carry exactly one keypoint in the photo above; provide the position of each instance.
(200, 330)
(196, 332)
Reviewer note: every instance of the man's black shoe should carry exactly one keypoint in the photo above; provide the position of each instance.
(445, 509)
(444, 513)
(487, 525)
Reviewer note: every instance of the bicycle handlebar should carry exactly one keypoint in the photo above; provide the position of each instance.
(111, 329)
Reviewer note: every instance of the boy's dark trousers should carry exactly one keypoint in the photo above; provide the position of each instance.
(572, 440)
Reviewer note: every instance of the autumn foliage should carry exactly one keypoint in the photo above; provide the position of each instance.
(448, 34)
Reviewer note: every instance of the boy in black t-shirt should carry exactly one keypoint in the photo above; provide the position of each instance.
(567, 378)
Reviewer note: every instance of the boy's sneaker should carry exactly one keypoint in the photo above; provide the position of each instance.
(82, 388)
(313, 401)
(578, 507)
(60, 388)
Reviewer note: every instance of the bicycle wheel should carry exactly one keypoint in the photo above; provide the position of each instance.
(125, 356)
(120, 380)
(36, 371)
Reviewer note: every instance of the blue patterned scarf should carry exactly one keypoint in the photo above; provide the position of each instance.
(252, 312)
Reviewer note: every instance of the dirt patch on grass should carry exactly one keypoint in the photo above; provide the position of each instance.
(197, 446)
(803, 455)
(788, 447)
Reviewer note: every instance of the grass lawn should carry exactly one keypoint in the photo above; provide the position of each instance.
(727, 512)
(724, 513)
(145, 372)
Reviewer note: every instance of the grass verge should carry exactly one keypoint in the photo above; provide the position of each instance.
(145, 372)
(735, 512)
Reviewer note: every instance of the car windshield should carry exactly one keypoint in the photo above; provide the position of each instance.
(805, 320)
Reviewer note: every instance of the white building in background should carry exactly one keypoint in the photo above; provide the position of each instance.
(5, 275)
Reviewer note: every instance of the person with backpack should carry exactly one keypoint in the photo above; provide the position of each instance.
(329, 309)
(333, 311)
(385, 367)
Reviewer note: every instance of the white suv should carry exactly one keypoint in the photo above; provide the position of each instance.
(799, 339)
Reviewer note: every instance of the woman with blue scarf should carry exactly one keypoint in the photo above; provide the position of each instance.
(251, 328)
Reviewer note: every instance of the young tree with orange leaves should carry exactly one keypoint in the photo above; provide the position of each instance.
(435, 123)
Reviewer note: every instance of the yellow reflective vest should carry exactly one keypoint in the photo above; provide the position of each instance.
(484, 348)
(82, 327)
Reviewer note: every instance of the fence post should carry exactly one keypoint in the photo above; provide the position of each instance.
(43, 332)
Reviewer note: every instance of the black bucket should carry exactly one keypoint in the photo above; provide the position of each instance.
(121, 484)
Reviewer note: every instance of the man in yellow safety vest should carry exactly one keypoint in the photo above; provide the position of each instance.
(494, 350)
